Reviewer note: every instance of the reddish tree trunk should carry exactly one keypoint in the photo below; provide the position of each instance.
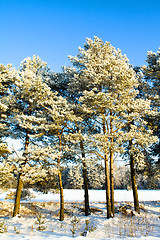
(16, 209)
(85, 182)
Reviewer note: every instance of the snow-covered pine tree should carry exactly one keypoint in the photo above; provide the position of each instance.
(58, 116)
(6, 80)
(122, 176)
(103, 70)
(36, 173)
(63, 83)
(75, 177)
(28, 90)
(137, 136)
(6, 175)
(111, 84)
(151, 74)
(96, 175)
(45, 115)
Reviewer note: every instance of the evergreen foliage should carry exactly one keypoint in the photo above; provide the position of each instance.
(151, 74)
(7, 76)
(74, 120)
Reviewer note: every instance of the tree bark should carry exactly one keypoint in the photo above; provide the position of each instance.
(133, 180)
(107, 179)
(112, 183)
(18, 196)
(16, 209)
(111, 167)
(85, 182)
(61, 218)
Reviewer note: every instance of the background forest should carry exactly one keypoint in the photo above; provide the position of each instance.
(96, 125)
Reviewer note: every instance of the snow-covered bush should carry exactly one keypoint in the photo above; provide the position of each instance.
(3, 228)
(26, 195)
(40, 222)
(74, 225)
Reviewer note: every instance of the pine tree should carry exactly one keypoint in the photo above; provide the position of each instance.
(64, 85)
(28, 91)
(75, 177)
(96, 175)
(110, 97)
(59, 116)
(6, 81)
(105, 72)
(151, 74)
(44, 117)
(138, 137)
(122, 176)
(6, 175)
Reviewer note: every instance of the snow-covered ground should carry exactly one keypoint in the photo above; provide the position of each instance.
(94, 195)
(141, 226)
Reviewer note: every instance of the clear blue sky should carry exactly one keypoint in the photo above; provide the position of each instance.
(55, 29)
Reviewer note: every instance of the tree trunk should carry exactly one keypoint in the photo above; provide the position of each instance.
(111, 166)
(107, 179)
(85, 182)
(20, 184)
(18, 196)
(61, 218)
(133, 180)
(112, 183)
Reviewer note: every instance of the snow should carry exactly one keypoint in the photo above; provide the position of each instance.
(143, 226)
(94, 195)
